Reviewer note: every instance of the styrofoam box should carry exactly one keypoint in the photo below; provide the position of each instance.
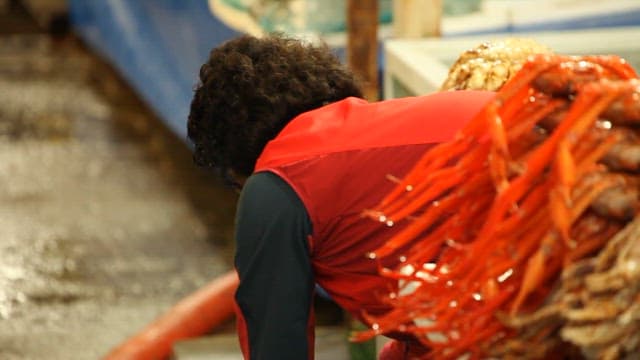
(416, 67)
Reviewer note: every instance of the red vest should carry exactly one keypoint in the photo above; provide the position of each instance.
(336, 159)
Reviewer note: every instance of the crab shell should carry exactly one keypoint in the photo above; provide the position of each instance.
(489, 65)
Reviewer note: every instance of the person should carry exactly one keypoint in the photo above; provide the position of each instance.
(284, 120)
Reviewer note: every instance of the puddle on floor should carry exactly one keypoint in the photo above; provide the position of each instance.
(104, 221)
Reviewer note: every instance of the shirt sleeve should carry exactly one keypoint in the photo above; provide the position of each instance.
(275, 294)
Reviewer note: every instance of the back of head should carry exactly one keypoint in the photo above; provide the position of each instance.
(250, 88)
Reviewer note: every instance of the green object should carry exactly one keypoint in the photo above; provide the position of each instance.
(308, 16)
(460, 7)
(238, 4)
(361, 350)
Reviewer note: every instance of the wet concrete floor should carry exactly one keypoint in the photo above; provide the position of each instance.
(104, 221)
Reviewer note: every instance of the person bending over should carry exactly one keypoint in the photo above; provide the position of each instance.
(285, 121)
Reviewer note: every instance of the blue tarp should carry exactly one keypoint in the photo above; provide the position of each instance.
(158, 46)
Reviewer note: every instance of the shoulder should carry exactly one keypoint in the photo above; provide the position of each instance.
(265, 185)
(267, 197)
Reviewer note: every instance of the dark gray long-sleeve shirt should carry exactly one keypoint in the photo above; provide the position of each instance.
(272, 259)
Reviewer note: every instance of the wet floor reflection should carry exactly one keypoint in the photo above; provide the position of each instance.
(104, 221)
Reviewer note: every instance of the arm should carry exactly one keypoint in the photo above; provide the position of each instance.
(276, 282)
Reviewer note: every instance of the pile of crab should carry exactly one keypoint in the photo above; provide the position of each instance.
(523, 229)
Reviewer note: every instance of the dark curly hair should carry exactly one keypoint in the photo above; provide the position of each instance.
(250, 88)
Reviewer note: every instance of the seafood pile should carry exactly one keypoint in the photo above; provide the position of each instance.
(522, 230)
(596, 308)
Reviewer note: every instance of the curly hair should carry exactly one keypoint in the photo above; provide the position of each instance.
(250, 88)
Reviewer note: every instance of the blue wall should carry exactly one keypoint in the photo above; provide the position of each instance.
(158, 46)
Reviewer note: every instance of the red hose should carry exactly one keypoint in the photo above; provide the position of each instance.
(195, 315)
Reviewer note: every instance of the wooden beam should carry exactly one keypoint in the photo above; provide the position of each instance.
(362, 44)
(417, 18)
